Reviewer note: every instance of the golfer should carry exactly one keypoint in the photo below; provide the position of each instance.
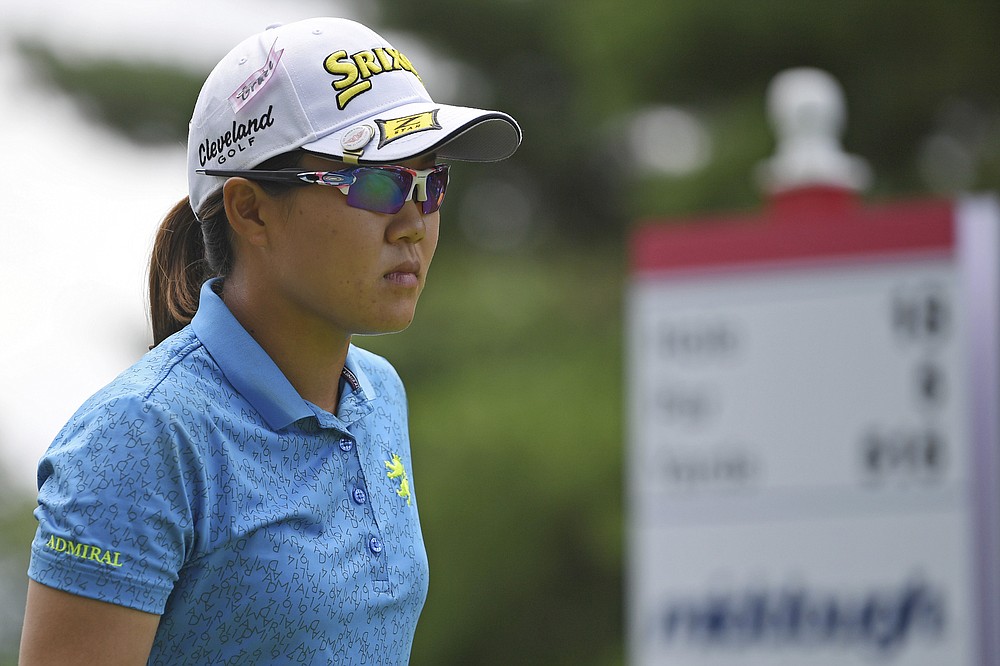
(245, 494)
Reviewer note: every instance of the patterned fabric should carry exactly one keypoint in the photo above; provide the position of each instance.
(200, 485)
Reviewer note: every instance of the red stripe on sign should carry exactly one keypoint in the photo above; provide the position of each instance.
(813, 224)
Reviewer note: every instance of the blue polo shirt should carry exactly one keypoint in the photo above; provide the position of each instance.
(199, 485)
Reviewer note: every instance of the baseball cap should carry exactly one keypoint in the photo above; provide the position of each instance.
(333, 87)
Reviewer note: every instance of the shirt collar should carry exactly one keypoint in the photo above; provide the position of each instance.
(358, 394)
(252, 372)
(244, 363)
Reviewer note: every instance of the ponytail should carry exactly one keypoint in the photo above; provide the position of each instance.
(190, 249)
(186, 252)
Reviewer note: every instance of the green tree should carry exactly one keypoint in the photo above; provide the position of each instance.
(573, 71)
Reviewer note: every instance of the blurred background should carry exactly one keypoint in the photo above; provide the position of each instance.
(650, 109)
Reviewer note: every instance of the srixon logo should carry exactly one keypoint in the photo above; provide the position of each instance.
(797, 617)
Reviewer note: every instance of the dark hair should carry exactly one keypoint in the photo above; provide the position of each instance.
(188, 250)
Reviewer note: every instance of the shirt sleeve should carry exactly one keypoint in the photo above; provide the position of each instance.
(114, 515)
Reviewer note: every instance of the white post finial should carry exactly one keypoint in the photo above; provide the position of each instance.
(807, 110)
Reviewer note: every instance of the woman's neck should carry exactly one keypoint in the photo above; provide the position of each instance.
(309, 354)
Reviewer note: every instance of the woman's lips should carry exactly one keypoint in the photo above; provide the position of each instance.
(406, 274)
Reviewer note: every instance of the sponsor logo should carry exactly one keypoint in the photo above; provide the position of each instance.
(235, 140)
(879, 620)
(397, 128)
(356, 70)
(256, 81)
(397, 471)
(111, 558)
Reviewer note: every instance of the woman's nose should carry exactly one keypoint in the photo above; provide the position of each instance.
(408, 224)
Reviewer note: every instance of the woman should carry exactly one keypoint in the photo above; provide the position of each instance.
(244, 493)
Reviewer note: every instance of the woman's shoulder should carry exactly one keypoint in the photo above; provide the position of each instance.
(177, 366)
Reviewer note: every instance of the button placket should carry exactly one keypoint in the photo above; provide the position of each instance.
(357, 489)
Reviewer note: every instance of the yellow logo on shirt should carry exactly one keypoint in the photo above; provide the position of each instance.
(111, 558)
(397, 471)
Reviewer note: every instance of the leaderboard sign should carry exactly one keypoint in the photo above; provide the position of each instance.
(813, 462)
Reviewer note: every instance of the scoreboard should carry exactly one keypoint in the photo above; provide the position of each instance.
(812, 466)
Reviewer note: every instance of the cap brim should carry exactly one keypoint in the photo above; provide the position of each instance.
(408, 131)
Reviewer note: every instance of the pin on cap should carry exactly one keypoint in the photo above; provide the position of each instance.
(355, 140)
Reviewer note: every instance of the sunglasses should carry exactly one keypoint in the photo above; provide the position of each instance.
(380, 188)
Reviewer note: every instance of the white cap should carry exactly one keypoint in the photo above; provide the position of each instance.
(333, 87)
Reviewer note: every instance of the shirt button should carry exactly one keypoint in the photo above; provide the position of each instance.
(375, 545)
(359, 496)
(346, 444)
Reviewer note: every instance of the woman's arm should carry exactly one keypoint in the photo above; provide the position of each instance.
(63, 628)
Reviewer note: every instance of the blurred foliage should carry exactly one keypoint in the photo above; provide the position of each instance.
(513, 365)
(147, 102)
(513, 377)
(573, 71)
(17, 528)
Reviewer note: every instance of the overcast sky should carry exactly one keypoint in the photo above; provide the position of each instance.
(80, 204)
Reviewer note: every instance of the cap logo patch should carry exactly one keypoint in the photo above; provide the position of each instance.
(357, 70)
(397, 128)
(256, 81)
(235, 140)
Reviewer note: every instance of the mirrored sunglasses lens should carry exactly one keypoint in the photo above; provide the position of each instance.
(437, 182)
(379, 190)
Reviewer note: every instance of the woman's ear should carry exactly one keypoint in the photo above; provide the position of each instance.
(247, 206)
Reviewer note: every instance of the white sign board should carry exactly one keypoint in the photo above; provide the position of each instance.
(809, 475)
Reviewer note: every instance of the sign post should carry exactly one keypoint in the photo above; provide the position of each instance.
(813, 461)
